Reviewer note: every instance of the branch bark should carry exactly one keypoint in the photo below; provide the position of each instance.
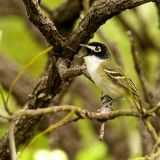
(98, 15)
(43, 23)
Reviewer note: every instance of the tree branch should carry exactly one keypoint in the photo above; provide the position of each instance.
(98, 15)
(43, 23)
(78, 111)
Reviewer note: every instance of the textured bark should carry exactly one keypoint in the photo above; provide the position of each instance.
(97, 15)
(43, 23)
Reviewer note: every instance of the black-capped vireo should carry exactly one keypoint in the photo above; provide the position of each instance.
(109, 77)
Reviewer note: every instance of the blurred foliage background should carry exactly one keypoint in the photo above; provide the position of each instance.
(20, 45)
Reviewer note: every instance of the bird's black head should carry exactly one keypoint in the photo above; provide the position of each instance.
(97, 49)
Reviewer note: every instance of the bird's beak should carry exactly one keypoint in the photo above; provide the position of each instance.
(87, 46)
(84, 45)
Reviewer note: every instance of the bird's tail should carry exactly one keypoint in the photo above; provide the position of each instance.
(135, 96)
(140, 104)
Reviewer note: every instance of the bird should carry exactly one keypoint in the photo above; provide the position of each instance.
(108, 76)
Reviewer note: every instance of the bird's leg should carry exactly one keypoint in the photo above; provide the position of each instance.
(107, 102)
(107, 106)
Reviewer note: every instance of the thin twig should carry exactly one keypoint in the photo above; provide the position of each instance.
(137, 64)
(152, 131)
(21, 72)
(154, 109)
(155, 147)
(4, 102)
(12, 142)
(101, 135)
(155, 155)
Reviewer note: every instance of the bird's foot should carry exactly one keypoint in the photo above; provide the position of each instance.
(107, 103)
(107, 106)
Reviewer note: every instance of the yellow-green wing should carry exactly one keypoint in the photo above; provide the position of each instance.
(117, 75)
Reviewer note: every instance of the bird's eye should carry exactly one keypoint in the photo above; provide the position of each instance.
(97, 49)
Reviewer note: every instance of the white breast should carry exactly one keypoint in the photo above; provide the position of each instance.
(92, 63)
(107, 86)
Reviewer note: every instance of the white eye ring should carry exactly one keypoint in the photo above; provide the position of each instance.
(97, 49)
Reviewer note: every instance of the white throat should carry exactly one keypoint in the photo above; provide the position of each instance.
(92, 63)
